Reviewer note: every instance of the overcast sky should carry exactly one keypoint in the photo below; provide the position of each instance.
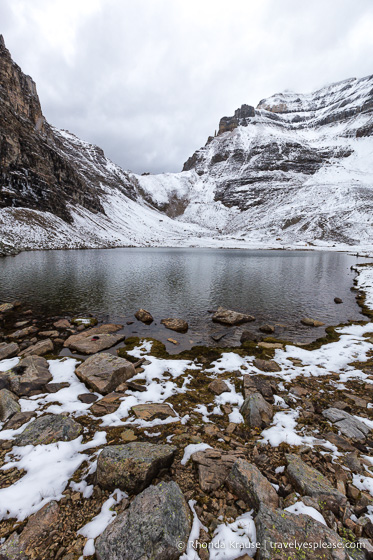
(148, 80)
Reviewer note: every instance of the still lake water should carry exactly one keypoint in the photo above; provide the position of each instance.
(277, 287)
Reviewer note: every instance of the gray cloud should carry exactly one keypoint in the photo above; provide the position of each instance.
(149, 80)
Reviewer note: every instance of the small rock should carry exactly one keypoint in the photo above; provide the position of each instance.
(218, 336)
(104, 372)
(255, 383)
(62, 324)
(8, 350)
(49, 334)
(164, 518)
(178, 325)
(128, 435)
(18, 420)
(247, 482)
(23, 333)
(214, 466)
(144, 316)
(87, 398)
(218, 386)
(136, 386)
(8, 405)
(299, 391)
(269, 329)
(229, 317)
(6, 307)
(39, 349)
(338, 300)
(311, 322)
(248, 336)
(211, 430)
(257, 412)
(49, 428)
(339, 441)
(107, 405)
(271, 345)
(132, 467)
(151, 411)
(173, 341)
(267, 365)
(55, 387)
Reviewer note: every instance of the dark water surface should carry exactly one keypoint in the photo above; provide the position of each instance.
(277, 287)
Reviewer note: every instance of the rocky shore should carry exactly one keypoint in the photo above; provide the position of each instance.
(118, 450)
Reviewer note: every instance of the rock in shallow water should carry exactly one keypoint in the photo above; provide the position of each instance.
(49, 429)
(144, 316)
(178, 325)
(94, 340)
(153, 527)
(131, 467)
(230, 317)
(104, 372)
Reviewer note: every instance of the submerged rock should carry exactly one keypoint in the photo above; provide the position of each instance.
(349, 426)
(155, 526)
(94, 340)
(178, 325)
(247, 482)
(311, 322)
(229, 317)
(132, 466)
(283, 535)
(308, 480)
(104, 372)
(49, 429)
(144, 316)
(269, 329)
(257, 412)
(8, 405)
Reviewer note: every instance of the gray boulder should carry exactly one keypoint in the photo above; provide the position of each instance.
(311, 482)
(105, 372)
(131, 467)
(282, 536)
(155, 526)
(247, 482)
(8, 405)
(49, 429)
(257, 412)
(30, 376)
(8, 350)
(229, 317)
(347, 424)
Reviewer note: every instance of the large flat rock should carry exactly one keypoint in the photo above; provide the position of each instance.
(132, 466)
(49, 429)
(230, 317)
(309, 481)
(156, 526)
(247, 482)
(105, 372)
(283, 535)
(96, 339)
(348, 425)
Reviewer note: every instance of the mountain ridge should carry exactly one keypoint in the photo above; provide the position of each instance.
(295, 171)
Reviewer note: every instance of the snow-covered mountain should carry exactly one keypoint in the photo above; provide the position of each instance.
(295, 171)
